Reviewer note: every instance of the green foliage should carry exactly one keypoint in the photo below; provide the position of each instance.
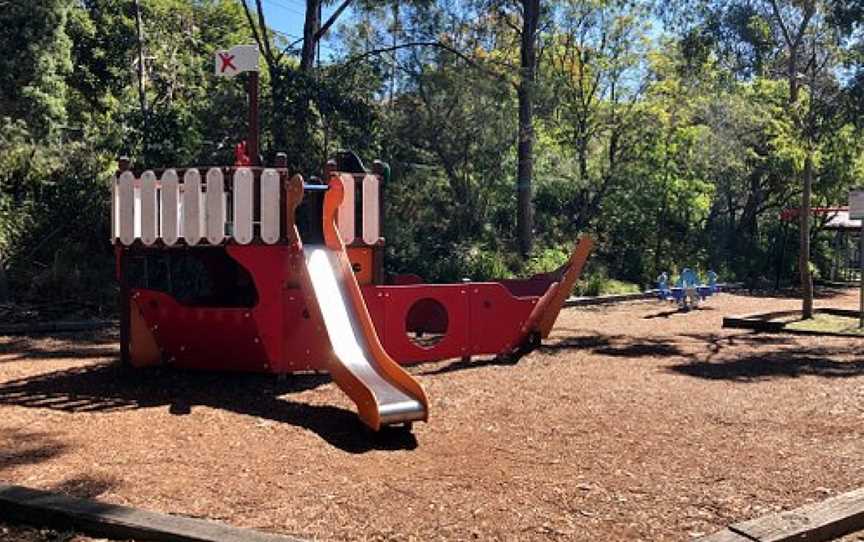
(598, 282)
(54, 219)
(482, 264)
(545, 260)
(672, 147)
(35, 62)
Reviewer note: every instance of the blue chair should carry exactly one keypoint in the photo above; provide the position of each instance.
(712, 282)
(664, 293)
(688, 284)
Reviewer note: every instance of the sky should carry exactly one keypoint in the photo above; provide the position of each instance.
(286, 16)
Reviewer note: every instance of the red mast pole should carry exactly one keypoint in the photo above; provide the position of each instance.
(252, 143)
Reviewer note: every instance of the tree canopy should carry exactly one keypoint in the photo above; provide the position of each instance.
(676, 133)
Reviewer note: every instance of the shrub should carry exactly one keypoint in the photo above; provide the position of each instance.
(545, 260)
(483, 264)
(598, 283)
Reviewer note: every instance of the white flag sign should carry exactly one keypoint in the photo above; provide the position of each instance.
(240, 58)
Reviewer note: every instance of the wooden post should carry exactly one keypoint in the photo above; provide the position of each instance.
(856, 212)
(382, 170)
(281, 163)
(861, 274)
(4, 283)
(252, 142)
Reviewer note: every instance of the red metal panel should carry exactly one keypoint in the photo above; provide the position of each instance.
(535, 286)
(203, 337)
(269, 268)
(277, 334)
(296, 343)
(375, 301)
(399, 299)
(406, 278)
(304, 344)
(496, 318)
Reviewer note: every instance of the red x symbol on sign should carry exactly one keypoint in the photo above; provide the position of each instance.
(226, 62)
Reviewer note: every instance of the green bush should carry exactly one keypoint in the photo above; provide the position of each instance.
(613, 286)
(54, 219)
(482, 264)
(598, 283)
(545, 260)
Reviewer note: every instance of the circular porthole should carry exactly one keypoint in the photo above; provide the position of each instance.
(426, 322)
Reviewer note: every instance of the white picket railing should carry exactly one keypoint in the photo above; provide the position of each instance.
(371, 213)
(195, 209)
(150, 208)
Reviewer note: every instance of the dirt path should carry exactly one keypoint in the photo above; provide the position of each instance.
(634, 423)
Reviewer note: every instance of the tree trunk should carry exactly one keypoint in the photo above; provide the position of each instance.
(142, 96)
(282, 107)
(806, 178)
(4, 283)
(525, 92)
(310, 28)
(804, 257)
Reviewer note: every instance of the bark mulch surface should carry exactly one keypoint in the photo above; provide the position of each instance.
(633, 422)
(19, 533)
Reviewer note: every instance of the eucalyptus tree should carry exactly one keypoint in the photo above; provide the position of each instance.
(308, 97)
(36, 59)
(800, 42)
(597, 71)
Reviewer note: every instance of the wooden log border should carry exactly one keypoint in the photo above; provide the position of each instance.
(46, 509)
(757, 322)
(817, 522)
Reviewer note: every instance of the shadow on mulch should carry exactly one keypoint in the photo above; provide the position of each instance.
(675, 312)
(716, 342)
(85, 486)
(473, 363)
(27, 347)
(111, 387)
(787, 363)
(84, 353)
(620, 346)
(18, 532)
(615, 346)
(776, 315)
(28, 448)
(823, 292)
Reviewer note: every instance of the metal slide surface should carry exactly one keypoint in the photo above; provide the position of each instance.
(351, 346)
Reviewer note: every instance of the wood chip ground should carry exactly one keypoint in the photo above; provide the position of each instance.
(21, 533)
(634, 422)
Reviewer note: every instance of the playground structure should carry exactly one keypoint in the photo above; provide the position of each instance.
(845, 240)
(689, 289)
(250, 268)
